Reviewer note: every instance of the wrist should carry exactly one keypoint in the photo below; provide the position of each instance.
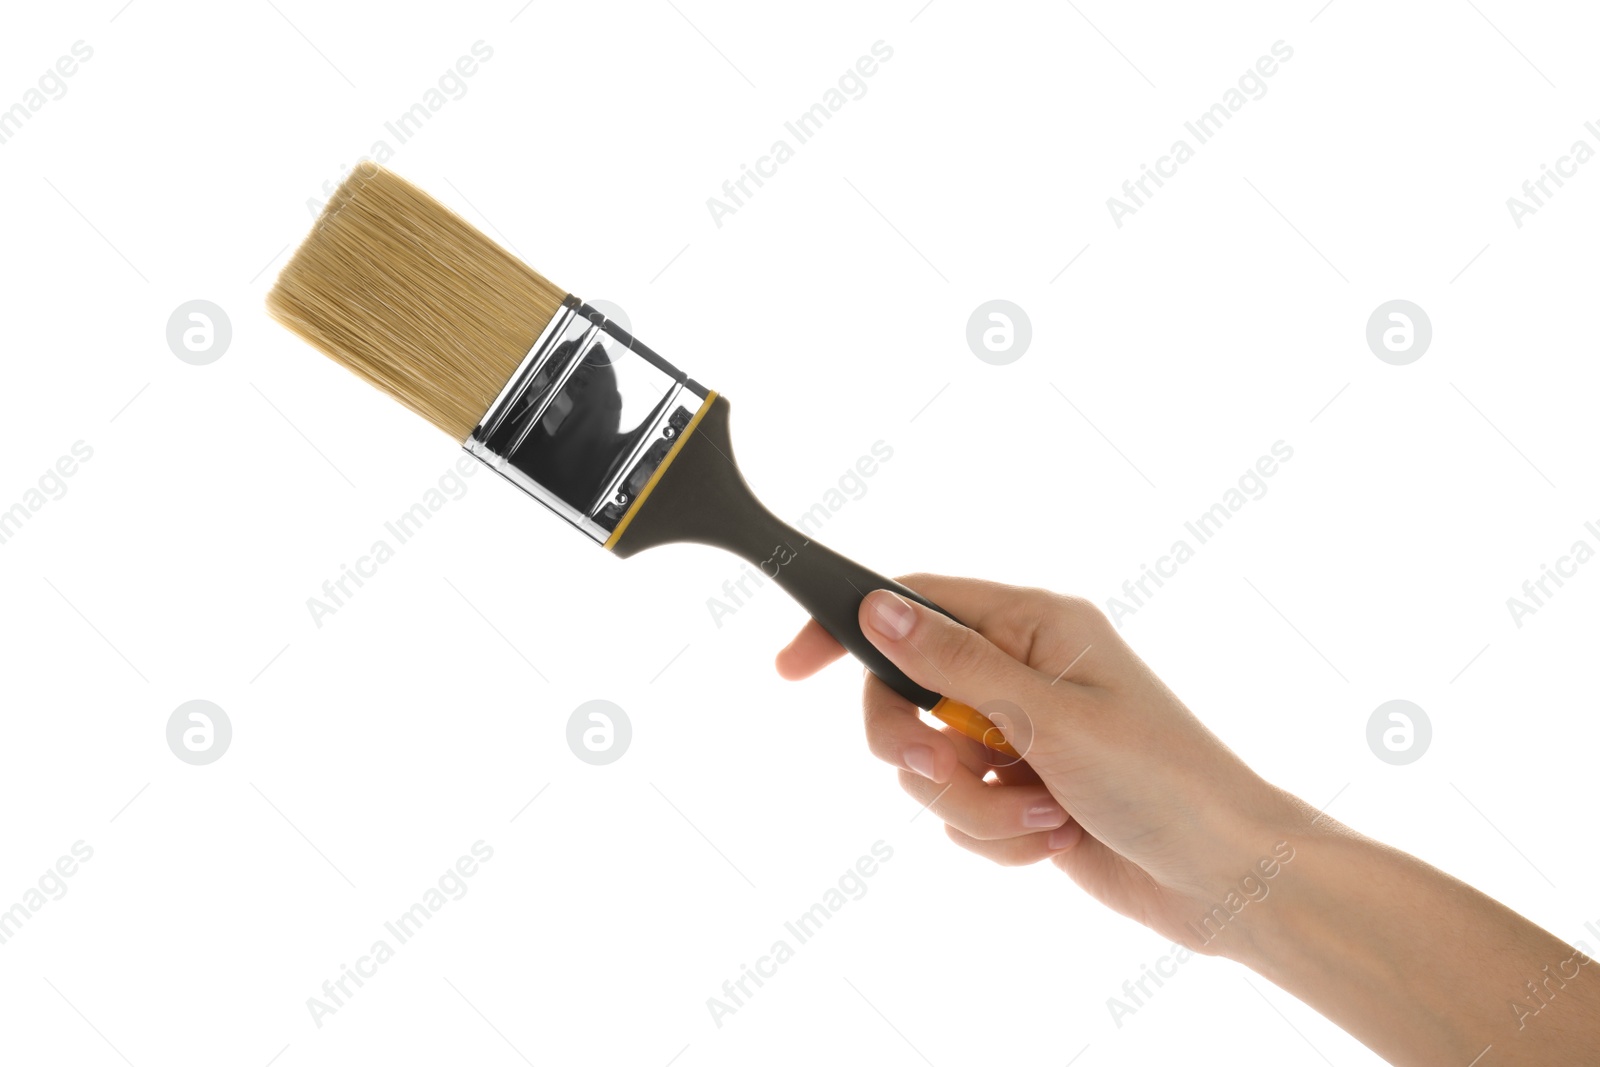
(1256, 886)
(1300, 897)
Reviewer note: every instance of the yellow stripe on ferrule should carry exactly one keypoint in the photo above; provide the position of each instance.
(672, 453)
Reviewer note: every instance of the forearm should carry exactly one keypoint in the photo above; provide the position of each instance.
(1420, 967)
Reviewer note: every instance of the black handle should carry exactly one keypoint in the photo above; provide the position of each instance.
(702, 497)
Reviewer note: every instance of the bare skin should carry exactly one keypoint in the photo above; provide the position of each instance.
(1149, 812)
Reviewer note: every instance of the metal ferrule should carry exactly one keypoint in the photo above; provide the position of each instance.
(586, 419)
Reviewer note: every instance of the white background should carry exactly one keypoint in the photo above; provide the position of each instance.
(368, 754)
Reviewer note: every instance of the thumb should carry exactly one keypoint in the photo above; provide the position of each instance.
(941, 654)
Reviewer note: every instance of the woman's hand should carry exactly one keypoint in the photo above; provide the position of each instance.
(1122, 787)
(1127, 792)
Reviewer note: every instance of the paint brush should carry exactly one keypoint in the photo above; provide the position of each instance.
(561, 401)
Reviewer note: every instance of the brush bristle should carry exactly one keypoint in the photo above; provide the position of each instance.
(407, 294)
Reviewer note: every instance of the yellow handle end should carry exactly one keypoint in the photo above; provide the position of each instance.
(971, 721)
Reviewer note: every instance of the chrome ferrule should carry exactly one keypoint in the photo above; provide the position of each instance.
(586, 419)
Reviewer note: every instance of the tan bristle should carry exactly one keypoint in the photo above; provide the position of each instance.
(407, 294)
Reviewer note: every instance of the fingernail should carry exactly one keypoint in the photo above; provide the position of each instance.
(890, 616)
(920, 759)
(1040, 816)
(1064, 837)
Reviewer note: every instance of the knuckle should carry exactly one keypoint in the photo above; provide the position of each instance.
(918, 579)
(971, 817)
(1081, 610)
(1038, 598)
(1018, 856)
(1002, 853)
(881, 738)
(965, 840)
(918, 789)
(992, 822)
(963, 651)
(881, 747)
(871, 695)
